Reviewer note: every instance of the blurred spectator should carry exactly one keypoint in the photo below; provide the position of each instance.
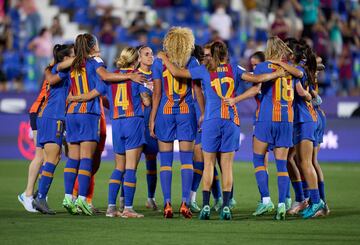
(309, 12)
(156, 35)
(139, 25)
(279, 27)
(321, 40)
(57, 31)
(6, 34)
(334, 28)
(345, 71)
(102, 6)
(3, 80)
(294, 22)
(220, 21)
(33, 19)
(42, 48)
(107, 36)
(354, 23)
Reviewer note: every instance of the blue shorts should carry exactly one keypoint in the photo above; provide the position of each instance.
(304, 131)
(270, 146)
(319, 135)
(82, 127)
(128, 133)
(50, 130)
(151, 145)
(220, 135)
(179, 126)
(276, 134)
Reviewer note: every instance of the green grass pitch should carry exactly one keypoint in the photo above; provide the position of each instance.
(19, 227)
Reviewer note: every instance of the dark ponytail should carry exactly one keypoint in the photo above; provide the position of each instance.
(83, 45)
(219, 53)
(59, 53)
(310, 65)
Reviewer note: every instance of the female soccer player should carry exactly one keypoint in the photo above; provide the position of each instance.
(203, 56)
(305, 126)
(220, 129)
(256, 58)
(274, 126)
(26, 198)
(51, 124)
(318, 140)
(82, 119)
(128, 131)
(145, 60)
(173, 115)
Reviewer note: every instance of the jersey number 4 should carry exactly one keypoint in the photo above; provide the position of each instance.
(121, 98)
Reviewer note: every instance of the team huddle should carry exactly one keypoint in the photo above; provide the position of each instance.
(190, 94)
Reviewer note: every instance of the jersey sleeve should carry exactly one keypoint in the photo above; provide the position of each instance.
(260, 68)
(156, 69)
(97, 62)
(198, 72)
(238, 71)
(54, 69)
(193, 62)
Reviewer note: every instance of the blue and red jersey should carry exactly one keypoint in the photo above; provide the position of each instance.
(83, 82)
(124, 98)
(218, 85)
(54, 105)
(147, 109)
(304, 110)
(277, 96)
(176, 95)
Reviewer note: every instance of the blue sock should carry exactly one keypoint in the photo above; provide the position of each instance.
(283, 179)
(114, 186)
(288, 194)
(299, 193)
(226, 198)
(122, 187)
(39, 174)
(314, 195)
(322, 190)
(46, 179)
(84, 176)
(232, 191)
(206, 198)
(166, 160)
(305, 189)
(151, 177)
(129, 186)
(186, 174)
(216, 186)
(198, 172)
(70, 174)
(261, 175)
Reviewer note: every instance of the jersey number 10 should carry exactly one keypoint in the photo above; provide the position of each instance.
(174, 86)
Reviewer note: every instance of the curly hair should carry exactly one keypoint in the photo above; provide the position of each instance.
(178, 45)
